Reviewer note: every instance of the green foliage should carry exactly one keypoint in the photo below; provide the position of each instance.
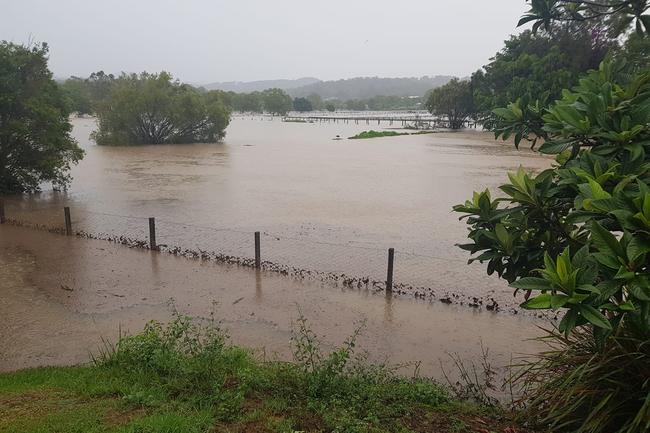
(576, 386)
(578, 234)
(184, 376)
(375, 134)
(454, 101)
(85, 94)
(245, 102)
(302, 104)
(35, 141)
(536, 67)
(273, 101)
(154, 109)
(623, 14)
(76, 90)
(384, 103)
(330, 107)
(316, 101)
(634, 55)
(192, 363)
(276, 101)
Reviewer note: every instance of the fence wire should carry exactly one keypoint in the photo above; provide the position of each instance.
(426, 276)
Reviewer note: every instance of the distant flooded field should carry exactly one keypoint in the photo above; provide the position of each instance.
(321, 204)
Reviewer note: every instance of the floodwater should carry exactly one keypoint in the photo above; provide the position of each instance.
(332, 206)
(321, 204)
(59, 296)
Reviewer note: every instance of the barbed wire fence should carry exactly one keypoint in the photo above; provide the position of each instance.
(345, 264)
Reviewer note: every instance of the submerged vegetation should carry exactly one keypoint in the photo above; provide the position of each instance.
(453, 102)
(377, 134)
(186, 377)
(155, 109)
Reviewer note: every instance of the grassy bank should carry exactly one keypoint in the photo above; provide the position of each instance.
(185, 377)
(377, 134)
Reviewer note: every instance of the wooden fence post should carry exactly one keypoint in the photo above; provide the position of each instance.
(68, 221)
(258, 255)
(152, 234)
(2, 211)
(389, 276)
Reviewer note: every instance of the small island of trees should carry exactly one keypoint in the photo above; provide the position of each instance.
(155, 109)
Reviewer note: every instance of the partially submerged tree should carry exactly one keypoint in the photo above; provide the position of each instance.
(35, 141)
(77, 92)
(276, 101)
(155, 109)
(453, 101)
(85, 94)
(302, 104)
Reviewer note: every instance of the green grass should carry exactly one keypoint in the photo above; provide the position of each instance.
(186, 377)
(376, 134)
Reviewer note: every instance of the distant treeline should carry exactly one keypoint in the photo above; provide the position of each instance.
(360, 88)
(257, 102)
(365, 88)
(87, 95)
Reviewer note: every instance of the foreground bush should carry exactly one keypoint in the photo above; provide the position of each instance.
(186, 377)
(578, 387)
(338, 391)
(576, 238)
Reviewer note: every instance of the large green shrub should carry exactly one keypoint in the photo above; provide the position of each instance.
(155, 109)
(576, 237)
(578, 234)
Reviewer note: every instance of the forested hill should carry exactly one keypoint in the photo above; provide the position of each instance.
(368, 87)
(258, 86)
(352, 88)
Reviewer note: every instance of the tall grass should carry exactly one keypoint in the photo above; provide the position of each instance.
(576, 386)
(189, 361)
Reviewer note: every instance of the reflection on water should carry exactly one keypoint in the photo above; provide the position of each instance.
(321, 204)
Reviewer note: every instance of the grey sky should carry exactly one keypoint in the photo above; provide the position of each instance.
(202, 41)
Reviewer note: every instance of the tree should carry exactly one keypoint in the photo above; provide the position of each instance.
(247, 102)
(77, 92)
(576, 238)
(620, 14)
(35, 141)
(276, 101)
(634, 55)
(453, 101)
(538, 66)
(316, 101)
(155, 109)
(302, 104)
(330, 107)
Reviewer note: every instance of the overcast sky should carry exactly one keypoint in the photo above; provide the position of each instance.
(202, 41)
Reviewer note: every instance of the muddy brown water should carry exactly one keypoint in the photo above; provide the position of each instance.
(321, 204)
(62, 295)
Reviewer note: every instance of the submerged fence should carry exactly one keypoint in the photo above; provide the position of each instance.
(393, 270)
